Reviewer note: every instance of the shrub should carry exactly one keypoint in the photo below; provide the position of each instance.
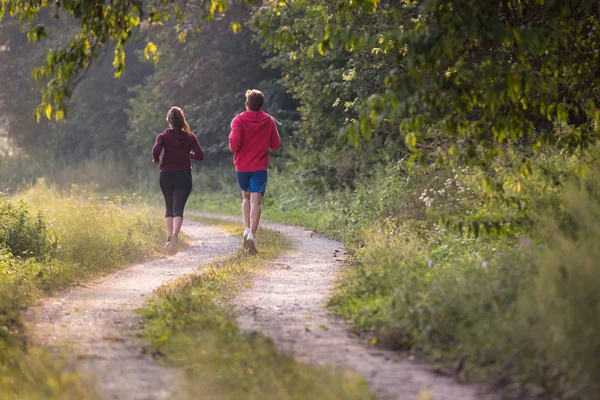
(20, 233)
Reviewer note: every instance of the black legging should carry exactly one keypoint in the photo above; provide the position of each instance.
(176, 186)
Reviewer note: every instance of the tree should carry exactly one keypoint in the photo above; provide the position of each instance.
(207, 76)
(479, 73)
(97, 123)
(103, 26)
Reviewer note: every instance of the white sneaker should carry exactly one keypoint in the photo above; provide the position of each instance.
(173, 248)
(251, 242)
(245, 240)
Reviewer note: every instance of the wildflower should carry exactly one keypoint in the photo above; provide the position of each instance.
(484, 264)
(500, 254)
(429, 263)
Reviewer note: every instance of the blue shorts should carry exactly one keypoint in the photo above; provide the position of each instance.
(253, 182)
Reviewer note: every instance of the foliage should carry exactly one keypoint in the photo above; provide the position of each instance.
(207, 75)
(97, 123)
(482, 73)
(116, 120)
(505, 304)
(100, 24)
(190, 324)
(20, 234)
(99, 174)
(329, 85)
(74, 236)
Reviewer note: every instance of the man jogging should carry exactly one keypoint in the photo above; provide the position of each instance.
(253, 133)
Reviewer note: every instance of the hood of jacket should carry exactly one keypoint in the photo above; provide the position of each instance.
(255, 121)
(180, 137)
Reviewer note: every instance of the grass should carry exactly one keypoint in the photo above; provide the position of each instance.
(49, 240)
(504, 288)
(191, 324)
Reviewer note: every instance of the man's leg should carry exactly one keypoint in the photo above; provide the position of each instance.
(255, 211)
(246, 209)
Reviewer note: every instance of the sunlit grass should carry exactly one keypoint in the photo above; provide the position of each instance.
(94, 231)
(514, 305)
(191, 324)
(49, 241)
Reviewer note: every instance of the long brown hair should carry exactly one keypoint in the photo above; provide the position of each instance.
(176, 119)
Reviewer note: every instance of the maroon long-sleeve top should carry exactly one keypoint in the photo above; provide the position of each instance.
(179, 147)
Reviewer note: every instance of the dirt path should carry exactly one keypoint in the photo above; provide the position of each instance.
(98, 322)
(287, 303)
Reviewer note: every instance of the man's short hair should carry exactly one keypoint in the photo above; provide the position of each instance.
(255, 99)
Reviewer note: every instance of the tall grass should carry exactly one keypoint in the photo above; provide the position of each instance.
(97, 174)
(50, 239)
(499, 285)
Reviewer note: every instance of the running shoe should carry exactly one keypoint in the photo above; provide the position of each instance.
(245, 241)
(174, 240)
(251, 242)
(168, 244)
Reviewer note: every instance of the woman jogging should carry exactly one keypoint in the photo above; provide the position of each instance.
(178, 145)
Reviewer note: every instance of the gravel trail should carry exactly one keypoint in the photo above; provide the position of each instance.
(286, 302)
(97, 325)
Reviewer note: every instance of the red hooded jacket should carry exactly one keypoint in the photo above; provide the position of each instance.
(253, 133)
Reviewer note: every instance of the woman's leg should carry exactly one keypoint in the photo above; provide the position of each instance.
(182, 192)
(169, 225)
(166, 188)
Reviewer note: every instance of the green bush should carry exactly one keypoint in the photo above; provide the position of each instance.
(20, 233)
(49, 240)
(562, 310)
(485, 289)
(520, 309)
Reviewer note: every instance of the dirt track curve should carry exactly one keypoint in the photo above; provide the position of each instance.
(97, 323)
(286, 301)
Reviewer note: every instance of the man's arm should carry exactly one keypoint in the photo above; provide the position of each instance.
(235, 137)
(275, 139)
(158, 146)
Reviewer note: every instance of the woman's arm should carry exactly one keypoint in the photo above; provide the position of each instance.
(198, 153)
(158, 146)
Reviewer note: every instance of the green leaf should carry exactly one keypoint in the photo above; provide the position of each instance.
(365, 128)
(411, 140)
(150, 50)
(59, 115)
(48, 111)
(321, 48)
(236, 27)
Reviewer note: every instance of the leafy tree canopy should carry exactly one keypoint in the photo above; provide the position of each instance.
(483, 72)
(100, 23)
